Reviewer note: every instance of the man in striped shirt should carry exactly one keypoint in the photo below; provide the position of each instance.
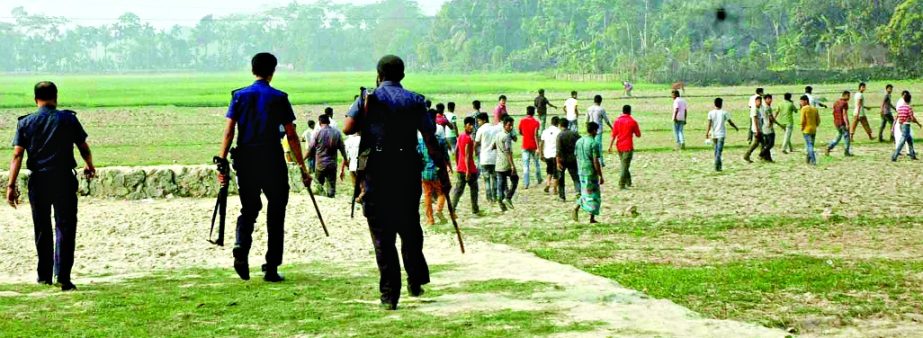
(904, 118)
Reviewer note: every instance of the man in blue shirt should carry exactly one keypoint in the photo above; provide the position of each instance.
(392, 174)
(48, 136)
(256, 112)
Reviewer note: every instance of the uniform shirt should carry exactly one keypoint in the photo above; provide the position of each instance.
(352, 151)
(541, 105)
(504, 144)
(810, 119)
(528, 128)
(679, 108)
(624, 131)
(405, 106)
(839, 108)
(465, 141)
(570, 107)
(567, 140)
(550, 142)
(787, 113)
(597, 113)
(719, 119)
(587, 151)
(324, 148)
(766, 124)
(485, 138)
(49, 136)
(259, 111)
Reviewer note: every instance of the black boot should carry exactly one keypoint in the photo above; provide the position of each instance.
(241, 266)
(272, 274)
(67, 286)
(415, 290)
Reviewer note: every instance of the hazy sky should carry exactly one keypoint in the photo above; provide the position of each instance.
(160, 13)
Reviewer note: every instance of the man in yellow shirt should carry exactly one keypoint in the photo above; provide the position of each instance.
(810, 119)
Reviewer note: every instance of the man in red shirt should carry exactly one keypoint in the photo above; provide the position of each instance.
(529, 128)
(500, 110)
(623, 133)
(841, 121)
(466, 169)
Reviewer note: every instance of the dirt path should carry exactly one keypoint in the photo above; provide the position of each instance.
(120, 239)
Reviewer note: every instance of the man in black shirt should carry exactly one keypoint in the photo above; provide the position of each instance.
(567, 158)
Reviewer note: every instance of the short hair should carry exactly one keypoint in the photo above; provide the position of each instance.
(846, 92)
(805, 98)
(626, 109)
(451, 106)
(676, 93)
(889, 86)
(507, 120)
(311, 123)
(502, 98)
(861, 84)
(759, 91)
(907, 98)
(324, 119)
(391, 68)
(541, 92)
(555, 121)
(264, 64)
(598, 99)
(758, 98)
(46, 91)
(328, 111)
(564, 123)
(904, 93)
(592, 127)
(788, 96)
(476, 104)
(573, 93)
(808, 89)
(767, 96)
(530, 110)
(428, 103)
(440, 107)
(470, 120)
(482, 117)
(719, 102)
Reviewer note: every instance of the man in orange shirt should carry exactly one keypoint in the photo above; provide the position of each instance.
(623, 133)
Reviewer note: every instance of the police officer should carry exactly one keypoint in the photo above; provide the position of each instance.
(392, 176)
(257, 112)
(48, 137)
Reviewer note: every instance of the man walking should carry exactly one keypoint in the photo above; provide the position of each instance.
(591, 174)
(431, 185)
(717, 130)
(597, 114)
(466, 169)
(389, 127)
(507, 178)
(841, 121)
(756, 128)
(323, 150)
(476, 105)
(769, 132)
(529, 129)
(572, 111)
(859, 116)
(351, 162)
(549, 152)
(626, 129)
(904, 118)
(813, 100)
(679, 120)
(787, 114)
(541, 105)
(484, 140)
(47, 138)
(810, 120)
(451, 133)
(887, 115)
(500, 110)
(256, 112)
(566, 159)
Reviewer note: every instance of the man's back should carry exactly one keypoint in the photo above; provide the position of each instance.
(597, 114)
(49, 136)
(567, 141)
(840, 107)
(810, 119)
(528, 127)
(626, 128)
(326, 144)
(394, 120)
(550, 140)
(260, 110)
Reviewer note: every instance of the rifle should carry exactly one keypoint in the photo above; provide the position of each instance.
(221, 205)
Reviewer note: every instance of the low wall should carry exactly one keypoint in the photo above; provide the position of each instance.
(135, 183)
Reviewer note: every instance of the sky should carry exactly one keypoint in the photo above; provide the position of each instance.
(159, 13)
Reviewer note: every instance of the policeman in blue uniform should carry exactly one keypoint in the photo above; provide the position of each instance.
(257, 112)
(47, 138)
(392, 176)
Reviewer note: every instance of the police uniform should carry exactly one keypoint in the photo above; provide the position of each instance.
(392, 182)
(260, 164)
(49, 136)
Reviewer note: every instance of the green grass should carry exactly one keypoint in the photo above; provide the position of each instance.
(316, 301)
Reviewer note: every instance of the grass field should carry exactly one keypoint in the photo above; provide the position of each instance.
(816, 251)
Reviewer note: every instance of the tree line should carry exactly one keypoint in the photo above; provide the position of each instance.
(714, 41)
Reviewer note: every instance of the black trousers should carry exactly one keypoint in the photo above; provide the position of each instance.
(392, 208)
(262, 172)
(460, 182)
(769, 141)
(570, 168)
(54, 190)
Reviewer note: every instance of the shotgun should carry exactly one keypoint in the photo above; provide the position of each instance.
(221, 205)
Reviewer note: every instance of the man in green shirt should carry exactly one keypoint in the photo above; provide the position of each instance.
(590, 171)
(786, 115)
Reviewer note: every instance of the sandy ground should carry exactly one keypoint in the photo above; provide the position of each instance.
(120, 239)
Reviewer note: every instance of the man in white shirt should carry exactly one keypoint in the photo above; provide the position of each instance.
(717, 130)
(572, 110)
(597, 114)
(680, 107)
(756, 118)
(351, 162)
(548, 150)
(859, 116)
(306, 138)
(451, 132)
(759, 93)
(812, 100)
(484, 140)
